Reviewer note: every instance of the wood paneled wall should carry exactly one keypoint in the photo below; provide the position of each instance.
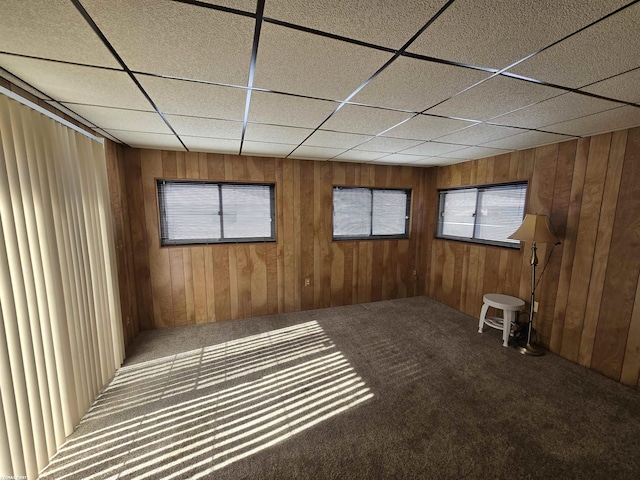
(114, 154)
(589, 295)
(196, 284)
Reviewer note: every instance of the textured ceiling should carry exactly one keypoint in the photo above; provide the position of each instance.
(412, 82)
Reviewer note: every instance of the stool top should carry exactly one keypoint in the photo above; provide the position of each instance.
(503, 302)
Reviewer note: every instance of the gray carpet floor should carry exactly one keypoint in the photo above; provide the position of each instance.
(395, 389)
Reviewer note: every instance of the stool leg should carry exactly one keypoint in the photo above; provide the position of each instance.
(508, 317)
(483, 314)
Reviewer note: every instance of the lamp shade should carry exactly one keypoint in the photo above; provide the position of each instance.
(534, 228)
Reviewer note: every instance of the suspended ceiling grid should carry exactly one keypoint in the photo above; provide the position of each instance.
(411, 82)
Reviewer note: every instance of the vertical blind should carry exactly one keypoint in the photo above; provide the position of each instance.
(60, 323)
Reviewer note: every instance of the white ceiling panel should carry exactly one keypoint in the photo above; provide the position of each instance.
(605, 49)
(298, 62)
(399, 158)
(415, 85)
(359, 156)
(322, 138)
(72, 83)
(432, 149)
(375, 21)
(121, 119)
(276, 134)
(526, 140)
(477, 134)
(147, 140)
(171, 38)
(388, 145)
(365, 120)
(555, 110)
(493, 97)
(205, 127)
(244, 5)
(316, 153)
(287, 110)
(218, 145)
(196, 99)
(427, 127)
(621, 87)
(51, 29)
(266, 149)
(615, 119)
(494, 34)
(474, 152)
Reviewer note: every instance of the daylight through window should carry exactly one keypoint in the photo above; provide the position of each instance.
(370, 213)
(203, 212)
(487, 214)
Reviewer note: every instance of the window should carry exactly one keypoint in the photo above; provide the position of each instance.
(370, 213)
(204, 212)
(487, 214)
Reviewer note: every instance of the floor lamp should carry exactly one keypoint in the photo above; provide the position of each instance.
(535, 229)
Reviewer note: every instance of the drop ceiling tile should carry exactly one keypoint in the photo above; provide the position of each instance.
(171, 38)
(120, 119)
(287, 110)
(298, 62)
(51, 29)
(71, 113)
(387, 144)
(359, 156)
(427, 127)
(216, 145)
(611, 46)
(555, 110)
(244, 5)
(622, 87)
(494, 97)
(474, 152)
(433, 149)
(196, 99)
(365, 120)
(73, 83)
(378, 22)
(398, 158)
(322, 138)
(415, 85)
(267, 149)
(526, 140)
(479, 134)
(205, 127)
(316, 153)
(147, 140)
(615, 119)
(276, 134)
(496, 34)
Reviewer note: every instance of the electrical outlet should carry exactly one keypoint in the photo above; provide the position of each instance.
(307, 281)
(535, 307)
(415, 273)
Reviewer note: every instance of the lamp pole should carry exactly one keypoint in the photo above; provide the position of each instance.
(529, 349)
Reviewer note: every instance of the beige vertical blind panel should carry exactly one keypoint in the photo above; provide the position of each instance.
(60, 326)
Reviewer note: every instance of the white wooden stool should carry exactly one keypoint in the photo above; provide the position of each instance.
(509, 306)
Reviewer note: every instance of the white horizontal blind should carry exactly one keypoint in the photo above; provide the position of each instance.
(351, 212)
(458, 214)
(247, 211)
(201, 212)
(61, 330)
(487, 214)
(500, 212)
(389, 212)
(189, 211)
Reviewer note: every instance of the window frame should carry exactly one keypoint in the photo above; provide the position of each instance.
(406, 235)
(212, 241)
(479, 188)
